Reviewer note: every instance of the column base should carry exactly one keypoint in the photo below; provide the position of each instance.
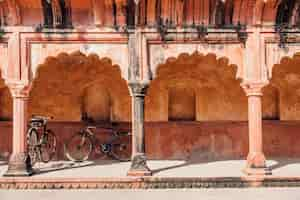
(19, 165)
(139, 166)
(257, 171)
(256, 165)
(256, 160)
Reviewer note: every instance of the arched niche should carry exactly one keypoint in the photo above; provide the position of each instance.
(286, 79)
(97, 103)
(68, 85)
(212, 81)
(181, 103)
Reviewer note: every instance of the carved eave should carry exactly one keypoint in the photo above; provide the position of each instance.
(174, 13)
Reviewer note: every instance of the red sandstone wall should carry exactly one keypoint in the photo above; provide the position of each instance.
(194, 140)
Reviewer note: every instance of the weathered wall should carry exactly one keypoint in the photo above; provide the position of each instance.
(193, 140)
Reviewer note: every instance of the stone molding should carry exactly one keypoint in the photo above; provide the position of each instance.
(148, 182)
(19, 90)
(254, 89)
(138, 88)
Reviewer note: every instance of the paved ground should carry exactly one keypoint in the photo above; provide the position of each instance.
(205, 194)
(226, 168)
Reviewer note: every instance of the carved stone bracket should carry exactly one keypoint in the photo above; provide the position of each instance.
(19, 89)
(253, 89)
(242, 33)
(14, 15)
(138, 88)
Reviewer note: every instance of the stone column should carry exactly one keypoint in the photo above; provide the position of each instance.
(19, 162)
(139, 161)
(256, 161)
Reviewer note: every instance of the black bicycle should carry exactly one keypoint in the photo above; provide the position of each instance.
(41, 142)
(80, 146)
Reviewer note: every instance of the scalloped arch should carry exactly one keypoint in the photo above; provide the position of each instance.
(62, 82)
(217, 90)
(286, 79)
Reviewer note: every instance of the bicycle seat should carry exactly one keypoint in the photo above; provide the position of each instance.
(91, 127)
(38, 120)
(41, 117)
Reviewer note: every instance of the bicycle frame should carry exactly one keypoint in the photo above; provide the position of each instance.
(42, 131)
(96, 142)
(38, 130)
(87, 142)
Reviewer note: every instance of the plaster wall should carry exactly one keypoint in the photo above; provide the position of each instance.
(188, 140)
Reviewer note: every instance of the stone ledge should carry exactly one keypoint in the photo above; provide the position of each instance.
(147, 182)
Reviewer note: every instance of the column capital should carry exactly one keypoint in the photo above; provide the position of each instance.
(254, 89)
(138, 88)
(19, 89)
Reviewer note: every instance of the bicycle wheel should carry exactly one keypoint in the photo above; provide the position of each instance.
(78, 148)
(48, 146)
(32, 146)
(121, 148)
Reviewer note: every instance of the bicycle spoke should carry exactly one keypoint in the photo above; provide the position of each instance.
(32, 145)
(121, 148)
(48, 146)
(78, 148)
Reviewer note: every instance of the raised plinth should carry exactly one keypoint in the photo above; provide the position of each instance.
(147, 182)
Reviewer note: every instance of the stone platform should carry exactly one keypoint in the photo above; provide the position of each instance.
(166, 174)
